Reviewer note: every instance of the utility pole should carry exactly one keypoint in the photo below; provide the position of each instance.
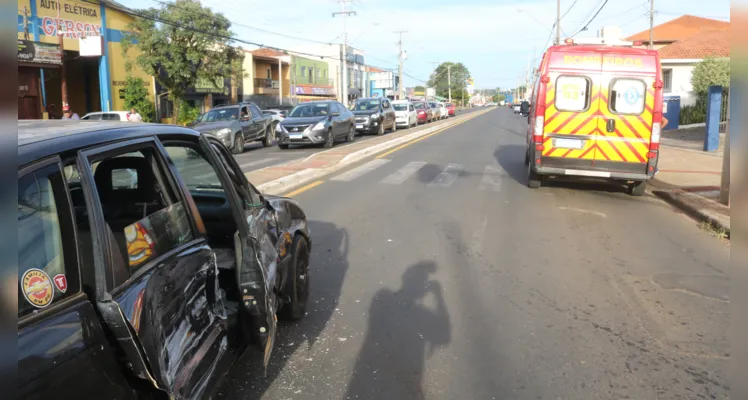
(558, 22)
(63, 75)
(651, 23)
(343, 58)
(724, 190)
(280, 81)
(449, 81)
(400, 88)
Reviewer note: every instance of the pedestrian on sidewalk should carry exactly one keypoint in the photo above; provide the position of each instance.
(664, 123)
(134, 116)
(68, 113)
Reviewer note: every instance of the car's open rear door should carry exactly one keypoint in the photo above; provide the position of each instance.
(254, 257)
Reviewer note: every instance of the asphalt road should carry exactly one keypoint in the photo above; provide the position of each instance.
(256, 156)
(437, 274)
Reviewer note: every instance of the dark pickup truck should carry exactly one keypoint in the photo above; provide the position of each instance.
(237, 124)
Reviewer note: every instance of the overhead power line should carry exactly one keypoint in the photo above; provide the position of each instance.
(589, 20)
(213, 35)
(172, 4)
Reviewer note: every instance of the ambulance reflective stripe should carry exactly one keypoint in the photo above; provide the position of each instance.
(569, 123)
(630, 141)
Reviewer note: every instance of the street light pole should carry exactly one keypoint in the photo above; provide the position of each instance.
(724, 190)
(449, 81)
(558, 22)
(651, 23)
(63, 75)
(343, 58)
(400, 89)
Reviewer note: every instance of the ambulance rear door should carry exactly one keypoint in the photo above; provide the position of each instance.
(572, 108)
(627, 107)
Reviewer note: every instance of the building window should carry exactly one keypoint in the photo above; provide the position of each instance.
(667, 80)
(303, 72)
(270, 74)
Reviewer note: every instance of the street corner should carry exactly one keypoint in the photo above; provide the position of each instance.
(700, 204)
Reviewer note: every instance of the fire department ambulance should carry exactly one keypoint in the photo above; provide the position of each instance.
(596, 113)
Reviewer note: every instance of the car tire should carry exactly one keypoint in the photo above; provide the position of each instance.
(330, 140)
(283, 146)
(297, 287)
(269, 136)
(351, 135)
(534, 180)
(380, 130)
(238, 144)
(637, 188)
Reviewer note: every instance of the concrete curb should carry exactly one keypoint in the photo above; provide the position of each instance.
(680, 199)
(296, 179)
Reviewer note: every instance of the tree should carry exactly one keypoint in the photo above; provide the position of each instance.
(440, 78)
(420, 88)
(136, 96)
(709, 72)
(181, 43)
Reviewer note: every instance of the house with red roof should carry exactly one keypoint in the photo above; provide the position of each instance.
(682, 43)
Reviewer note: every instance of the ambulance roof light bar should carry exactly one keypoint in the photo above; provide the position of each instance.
(602, 41)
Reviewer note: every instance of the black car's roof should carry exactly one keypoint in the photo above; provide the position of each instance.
(38, 139)
(369, 98)
(316, 102)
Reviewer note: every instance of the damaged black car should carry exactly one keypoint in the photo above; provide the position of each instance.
(147, 263)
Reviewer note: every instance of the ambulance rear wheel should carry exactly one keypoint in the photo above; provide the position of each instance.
(637, 188)
(527, 156)
(533, 178)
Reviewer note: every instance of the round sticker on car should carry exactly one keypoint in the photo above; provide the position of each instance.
(37, 288)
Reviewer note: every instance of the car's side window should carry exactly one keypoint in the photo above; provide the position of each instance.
(255, 111)
(250, 198)
(195, 170)
(411, 108)
(47, 258)
(386, 105)
(144, 220)
(245, 113)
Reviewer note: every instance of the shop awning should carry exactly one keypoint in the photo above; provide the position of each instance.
(314, 90)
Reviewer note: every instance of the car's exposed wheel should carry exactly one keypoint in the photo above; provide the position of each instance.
(297, 286)
(238, 144)
(351, 135)
(533, 178)
(269, 136)
(282, 146)
(637, 188)
(330, 139)
(380, 130)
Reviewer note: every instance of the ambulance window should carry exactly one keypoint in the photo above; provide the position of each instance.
(572, 93)
(627, 96)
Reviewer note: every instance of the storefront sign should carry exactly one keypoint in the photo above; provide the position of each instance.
(77, 19)
(207, 86)
(314, 90)
(35, 52)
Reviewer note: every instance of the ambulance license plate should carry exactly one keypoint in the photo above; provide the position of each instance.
(568, 143)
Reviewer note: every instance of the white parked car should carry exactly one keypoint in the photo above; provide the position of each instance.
(443, 112)
(107, 116)
(439, 110)
(277, 115)
(405, 113)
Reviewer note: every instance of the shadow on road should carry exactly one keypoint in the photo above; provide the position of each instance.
(329, 265)
(511, 157)
(402, 333)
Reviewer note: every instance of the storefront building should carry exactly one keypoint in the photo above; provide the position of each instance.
(92, 57)
(311, 80)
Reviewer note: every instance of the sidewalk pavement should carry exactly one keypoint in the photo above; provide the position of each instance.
(689, 178)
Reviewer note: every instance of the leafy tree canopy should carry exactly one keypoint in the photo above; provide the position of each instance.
(710, 72)
(136, 96)
(180, 43)
(441, 76)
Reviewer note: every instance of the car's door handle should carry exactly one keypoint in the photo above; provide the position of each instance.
(610, 126)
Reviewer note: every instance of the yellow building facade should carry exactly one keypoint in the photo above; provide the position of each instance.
(92, 58)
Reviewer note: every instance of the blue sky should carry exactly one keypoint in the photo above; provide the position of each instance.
(491, 37)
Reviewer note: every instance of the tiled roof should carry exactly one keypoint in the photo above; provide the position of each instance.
(715, 43)
(375, 69)
(265, 52)
(681, 28)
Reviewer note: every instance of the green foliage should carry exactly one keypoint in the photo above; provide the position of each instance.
(420, 89)
(136, 96)
(694, 114)
(187, 113)
(710, 72)
(191, 43)
(440, 79)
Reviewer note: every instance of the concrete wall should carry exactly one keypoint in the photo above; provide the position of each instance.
(681, 82)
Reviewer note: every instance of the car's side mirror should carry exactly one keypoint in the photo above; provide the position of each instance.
(336, 114)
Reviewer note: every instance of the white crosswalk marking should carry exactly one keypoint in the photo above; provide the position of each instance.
(403, 173)
(448, 176)
(257, 162)
(360, 170)
(491, 179)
